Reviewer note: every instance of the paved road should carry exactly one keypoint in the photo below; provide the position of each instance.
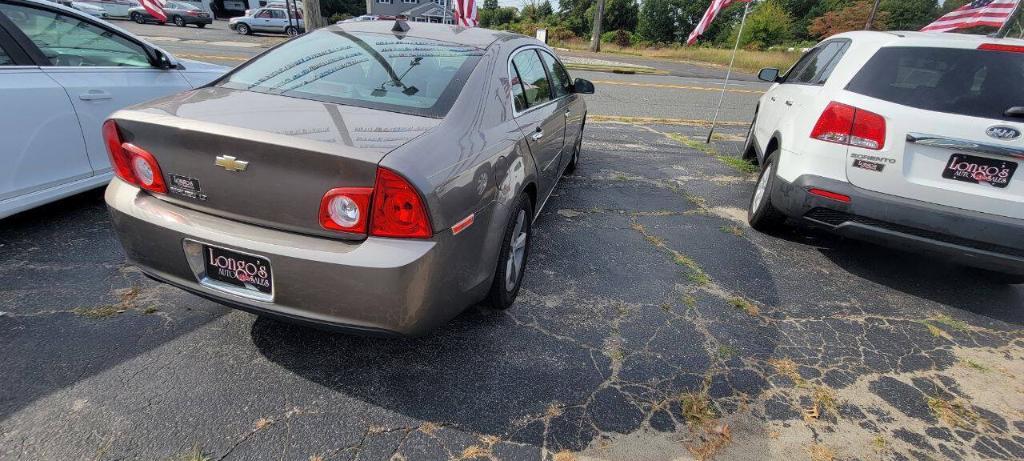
(653, 324)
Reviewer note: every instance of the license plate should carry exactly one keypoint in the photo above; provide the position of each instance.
(241, 270)
(979, 170)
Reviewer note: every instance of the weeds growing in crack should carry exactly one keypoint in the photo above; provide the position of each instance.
(726, 352)
(975, 365)
(734, 230)
(825, 398)
(693, 270)
(194, 454)
(820, 452)
(263, 423)
(428, 428)
(564, 455)
(958, 325)
(788, 368)
(736, 163)
(745, 305)
(956, 413)
(696, 406)
(128, 297)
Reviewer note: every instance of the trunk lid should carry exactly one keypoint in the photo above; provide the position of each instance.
(294, 151)
(947, 140)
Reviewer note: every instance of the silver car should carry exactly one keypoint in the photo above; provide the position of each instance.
(275, 20)
(360, 176)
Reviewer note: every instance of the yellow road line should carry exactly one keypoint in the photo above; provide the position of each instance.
(676, 87)
(204, 56)
(661, 120)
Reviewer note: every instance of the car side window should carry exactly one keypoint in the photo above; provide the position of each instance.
(822, 76)
(278, 14)
(263, 14)
(5, 59)
(815, 64)
(559, 77)
(69, 41)
(532, 77)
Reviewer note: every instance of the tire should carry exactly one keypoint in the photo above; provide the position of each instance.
(998, 277)
(291, 31)
(519, 229)
(571, 167)
(138, 18)
(243, 29)
(762, 214)
(200, 25)
(178, 21)
(749, 153)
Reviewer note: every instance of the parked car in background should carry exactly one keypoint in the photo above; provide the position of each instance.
(393, 181)
(295, 6)
(87, 8)
(115, 8)
(365, 17)
(178, 13)
(62, 73)
(908, 139)
(274, 20)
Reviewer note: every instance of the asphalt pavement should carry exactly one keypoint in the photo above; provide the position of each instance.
(653, 324)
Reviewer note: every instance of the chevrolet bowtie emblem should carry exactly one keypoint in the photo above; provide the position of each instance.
(230, 163)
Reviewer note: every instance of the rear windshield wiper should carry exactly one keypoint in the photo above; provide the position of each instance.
(1015, 111)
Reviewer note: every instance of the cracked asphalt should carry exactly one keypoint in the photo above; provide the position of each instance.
(653, 324)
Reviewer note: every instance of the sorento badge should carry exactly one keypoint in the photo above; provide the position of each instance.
(231, 163)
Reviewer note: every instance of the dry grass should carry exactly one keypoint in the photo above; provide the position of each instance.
(128, 297)
(429, 428)
(194, 454)
(711, 442)
(734, 230)
(788, 368)
(819, 452)
(749, 61)
(262, 423)
(825, 398)
(564, 455)
(745, 305)
(696, 406)
(956, 413)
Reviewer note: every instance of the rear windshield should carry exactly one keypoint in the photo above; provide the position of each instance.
(957, 81)
(378, 71)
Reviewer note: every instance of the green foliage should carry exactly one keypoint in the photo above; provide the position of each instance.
(544, 9)
(621, 37)
(657, 21)
(574, 16)
(498, 18)
(910, 14)
(489, 5)
(768, 25)
(618, 14)
(346, 8)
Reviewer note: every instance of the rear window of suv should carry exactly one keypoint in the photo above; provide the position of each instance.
(378, 71)
(958, 81)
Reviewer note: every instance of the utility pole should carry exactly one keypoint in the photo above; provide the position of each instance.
(871, 18)
(595, 37)
(311, 16)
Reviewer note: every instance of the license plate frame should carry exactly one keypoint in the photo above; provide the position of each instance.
(979, 170)
(237, 272)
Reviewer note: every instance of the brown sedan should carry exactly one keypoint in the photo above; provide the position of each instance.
(375, 176)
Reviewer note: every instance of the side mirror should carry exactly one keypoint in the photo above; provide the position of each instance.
(768, 74)
(582, 86)
(162, 61)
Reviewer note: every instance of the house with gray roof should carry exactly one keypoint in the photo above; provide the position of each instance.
(414, 10)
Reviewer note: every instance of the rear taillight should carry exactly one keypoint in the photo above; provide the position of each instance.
(843, 124)
(398, 210)
(1001, 47)
(132, 163)
(346, 209)
(392, 208)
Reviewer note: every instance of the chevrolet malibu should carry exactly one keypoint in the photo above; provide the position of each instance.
(375, 176)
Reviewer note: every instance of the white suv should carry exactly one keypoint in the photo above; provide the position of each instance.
(903, 138)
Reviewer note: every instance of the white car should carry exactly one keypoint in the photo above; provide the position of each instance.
(907, 139)
(62, 73)
(87, 8)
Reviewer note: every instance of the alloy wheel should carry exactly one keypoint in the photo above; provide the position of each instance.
(762, 188)
(517, 252)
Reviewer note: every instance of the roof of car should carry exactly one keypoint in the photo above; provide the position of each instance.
(913, 38)
(475, 36)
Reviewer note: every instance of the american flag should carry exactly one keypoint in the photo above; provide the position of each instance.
(465, 13)
(977, 13)
(709, 15)
(155, 8)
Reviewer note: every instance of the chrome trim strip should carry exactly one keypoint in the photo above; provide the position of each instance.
(965, 145)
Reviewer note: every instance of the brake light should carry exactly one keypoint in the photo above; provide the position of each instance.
(192, 13)
(398, 210)
(346, 209)
(843, 124)
(131, 163)
(1000, 47)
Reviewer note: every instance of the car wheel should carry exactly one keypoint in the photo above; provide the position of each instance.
(515, 250)
(243, 29)
(571, 168)
(761, 214)
(749, 153)
(291, 31)
(138, 18)
(179, 21)
(200, 25)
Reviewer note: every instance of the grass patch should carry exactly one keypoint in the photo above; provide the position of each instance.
(693, 270)
(734, 230)
(788, 368)
(697, 408)
(746, 60)
(689, 301)
(745, 305)
(958, 325)
(955, 413)
(735, 163)
(975, 365)
(934, 330)
(100, 312)
(726, 352)
(738, 164)
(819, 452)
(194, 454)
(825, 398)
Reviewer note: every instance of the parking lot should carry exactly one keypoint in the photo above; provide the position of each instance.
(653, 324)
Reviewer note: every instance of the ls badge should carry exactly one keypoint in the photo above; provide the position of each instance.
(231, 163)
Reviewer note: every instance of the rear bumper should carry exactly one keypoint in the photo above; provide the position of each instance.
(382, 286)
(197, 20)
(965, 237)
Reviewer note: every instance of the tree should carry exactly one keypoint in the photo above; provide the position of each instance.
(910, 14)
(767, 25)
(574, 15)
(620, 15)
(544, 9)
(490, 5)
(497, 18)
(657, 21)
(852, 17)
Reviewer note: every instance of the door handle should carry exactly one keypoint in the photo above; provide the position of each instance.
(94, 95)
(537, 134)
(789, 103)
